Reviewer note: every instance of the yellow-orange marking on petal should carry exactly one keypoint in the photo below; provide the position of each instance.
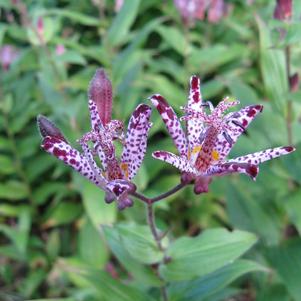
(125, 168)
(215, 155)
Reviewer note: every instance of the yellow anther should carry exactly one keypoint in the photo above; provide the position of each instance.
(215, 155)
(125, 168)
(196, 149)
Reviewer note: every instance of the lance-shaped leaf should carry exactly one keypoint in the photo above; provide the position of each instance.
(100, 92)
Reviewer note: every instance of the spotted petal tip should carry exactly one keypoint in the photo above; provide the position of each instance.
(195, 93)
(47, 128)
(172, 123)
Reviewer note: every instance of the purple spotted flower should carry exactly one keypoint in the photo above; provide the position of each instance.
(115, 174)
(209, 138)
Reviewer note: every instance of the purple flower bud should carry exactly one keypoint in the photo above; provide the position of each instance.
(187, 178)
(100, 92)
(201, 184)
(216, 10)
(8, 54)
(47, 128)
(283, 10)
(294, 82)
(109, 197)
(124, 203)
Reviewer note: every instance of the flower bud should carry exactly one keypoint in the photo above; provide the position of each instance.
(283, 10)
(100, 92)
(47, 128)
(294, 82)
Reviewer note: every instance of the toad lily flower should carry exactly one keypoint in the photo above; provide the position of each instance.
(115, 175)
(209, 139)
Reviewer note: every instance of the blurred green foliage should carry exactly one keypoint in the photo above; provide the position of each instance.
(56, 239)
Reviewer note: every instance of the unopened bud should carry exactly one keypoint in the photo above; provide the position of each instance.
(283, 10)
(47, 128)
(294, 82)
(100, 92)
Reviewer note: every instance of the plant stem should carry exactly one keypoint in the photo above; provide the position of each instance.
(289, 102)
(152, 223)
(160, 197)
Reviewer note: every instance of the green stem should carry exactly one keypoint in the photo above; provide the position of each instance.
(152, 223)
(289, 102)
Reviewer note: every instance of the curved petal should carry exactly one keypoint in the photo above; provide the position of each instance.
(268, 154)
(172, 123)
(136, 141)
(237, 123)
(233, 167)
(179, 162)
(72, 157)
(194, 126)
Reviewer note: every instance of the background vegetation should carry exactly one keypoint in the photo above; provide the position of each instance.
(50, 217)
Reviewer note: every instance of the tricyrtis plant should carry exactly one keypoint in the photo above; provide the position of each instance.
(114, 176)
(210, 135)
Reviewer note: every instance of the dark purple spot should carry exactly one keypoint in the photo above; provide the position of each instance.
(252, 170)
(289, 148)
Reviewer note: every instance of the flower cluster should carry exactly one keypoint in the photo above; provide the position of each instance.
(209, 138)
(203, 148)
(192, 10)
(115, 175)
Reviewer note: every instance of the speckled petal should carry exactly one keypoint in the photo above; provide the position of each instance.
(172, 123)
(89, 156)
(95, 119)
(268, 154)
(73, 158)
(233, 167)
(194, 126)
(136, 141)
(179, 162)
(237, 123)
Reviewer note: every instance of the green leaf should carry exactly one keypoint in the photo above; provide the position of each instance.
(13, 190)
(139, 242)
(293, 164)
(287, 262)
(203, 287)
(213, 57)
(141, 273)
(63, 213)
(243, 92)
(122, 23)
(293, 34)
(91, 246)
(111, 289)
(293, 207)
(71, 57)
(174, 38)
(98, 211)
(74, 16)
(6, 165)
(204, 254)
(272, 64)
